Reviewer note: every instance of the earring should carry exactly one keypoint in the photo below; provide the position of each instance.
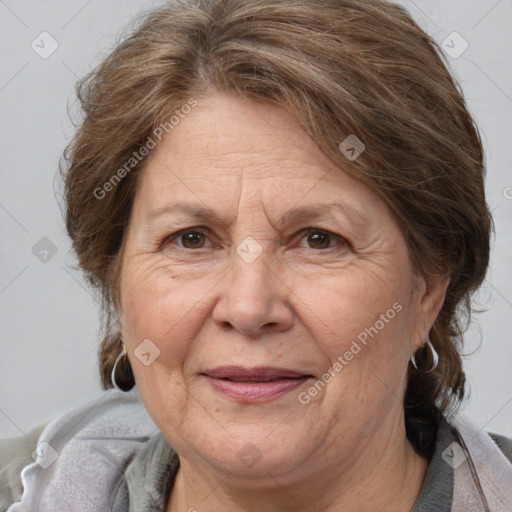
(435, 358)
(122, 376)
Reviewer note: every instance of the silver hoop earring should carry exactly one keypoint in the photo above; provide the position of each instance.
(435, 359)
(122, 371)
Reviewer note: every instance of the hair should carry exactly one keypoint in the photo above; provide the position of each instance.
(340, 67)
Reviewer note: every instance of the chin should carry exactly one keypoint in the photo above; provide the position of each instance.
(249, 451)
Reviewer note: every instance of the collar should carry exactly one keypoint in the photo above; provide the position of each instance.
(149, 478)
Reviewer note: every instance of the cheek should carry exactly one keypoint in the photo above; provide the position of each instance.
(361, 322)
(160, 306)
(356, 306)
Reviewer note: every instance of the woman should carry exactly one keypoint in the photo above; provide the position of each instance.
(282, 204)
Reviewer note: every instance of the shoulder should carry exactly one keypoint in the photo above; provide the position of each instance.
(496, 445)
(466, 462)
(102, 435)
(482, 464)
(15, 454)
(503, 443)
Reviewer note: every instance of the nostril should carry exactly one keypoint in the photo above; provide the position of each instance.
(226, 325)
(268, 327)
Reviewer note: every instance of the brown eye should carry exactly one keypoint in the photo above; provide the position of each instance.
(187, 239)
(319, 240)
(192, 240)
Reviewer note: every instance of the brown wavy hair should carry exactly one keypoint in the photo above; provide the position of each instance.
(340, 67)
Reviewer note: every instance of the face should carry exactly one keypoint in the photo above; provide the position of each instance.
(268, 303)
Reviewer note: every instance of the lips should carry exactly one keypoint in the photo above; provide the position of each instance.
(254, 384)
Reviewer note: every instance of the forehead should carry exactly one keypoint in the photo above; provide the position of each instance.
(226, 133)
(227, 145)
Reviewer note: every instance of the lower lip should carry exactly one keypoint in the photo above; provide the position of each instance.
(256, 391)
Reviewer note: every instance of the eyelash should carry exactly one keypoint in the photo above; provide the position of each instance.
(303, 233)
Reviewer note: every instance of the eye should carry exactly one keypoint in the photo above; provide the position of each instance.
(319, 239)
(196, 238)
(188, 239)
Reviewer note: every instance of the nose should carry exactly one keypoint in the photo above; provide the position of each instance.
(253, 300)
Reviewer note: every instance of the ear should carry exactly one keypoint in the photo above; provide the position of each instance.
(431, 292)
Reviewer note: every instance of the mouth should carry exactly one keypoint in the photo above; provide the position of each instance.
(260, 384)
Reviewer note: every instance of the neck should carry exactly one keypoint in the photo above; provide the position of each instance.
(387, 480)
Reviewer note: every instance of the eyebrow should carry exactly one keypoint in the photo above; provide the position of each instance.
(293, 216)
(197, 211)
(304, 213)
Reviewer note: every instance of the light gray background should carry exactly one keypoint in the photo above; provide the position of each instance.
(49, 322)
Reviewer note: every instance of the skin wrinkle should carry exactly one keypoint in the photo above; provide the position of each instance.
(210, 309)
